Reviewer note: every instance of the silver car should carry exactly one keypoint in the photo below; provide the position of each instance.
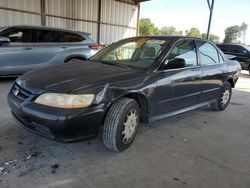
(24, 48)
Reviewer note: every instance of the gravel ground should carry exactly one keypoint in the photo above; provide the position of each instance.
(196, 149)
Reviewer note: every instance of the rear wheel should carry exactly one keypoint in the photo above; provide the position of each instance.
(121, 124)
(224, 97)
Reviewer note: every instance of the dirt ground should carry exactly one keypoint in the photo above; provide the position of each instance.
(197, 149)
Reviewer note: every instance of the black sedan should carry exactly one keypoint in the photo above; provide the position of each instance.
(135, 80)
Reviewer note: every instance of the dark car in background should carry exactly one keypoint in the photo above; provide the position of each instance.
(24, 48)
(135, 80)
(241, 52)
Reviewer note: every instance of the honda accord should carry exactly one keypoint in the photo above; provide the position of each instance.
(135, 80)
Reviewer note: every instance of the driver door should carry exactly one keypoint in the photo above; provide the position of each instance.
(178, 88)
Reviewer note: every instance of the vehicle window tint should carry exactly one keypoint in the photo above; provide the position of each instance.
(208, 53)
(33, 36)
(239, 50)
(225, 49)
(185, 50)
(70, 37)
(18, 35)
(234, 49)
(48, 36)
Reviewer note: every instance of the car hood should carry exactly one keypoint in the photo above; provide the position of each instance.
(72, 76)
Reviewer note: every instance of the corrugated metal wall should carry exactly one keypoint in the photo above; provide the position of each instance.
(73, 24)
(9, 17)
(26, 5)
(117, 20)
(76, 11)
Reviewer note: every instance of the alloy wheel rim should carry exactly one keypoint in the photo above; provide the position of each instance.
(225, 97)
(129, 126)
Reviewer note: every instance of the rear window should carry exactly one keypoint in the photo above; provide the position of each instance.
(48, 36)
(71, 37)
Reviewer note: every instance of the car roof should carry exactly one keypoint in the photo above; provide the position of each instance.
(49, 28)
(171, 37)
(237, 45)
(229, 44)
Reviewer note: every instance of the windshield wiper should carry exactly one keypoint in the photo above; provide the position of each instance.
(116, 64)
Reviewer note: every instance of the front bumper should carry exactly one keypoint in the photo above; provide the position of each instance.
(59, 124)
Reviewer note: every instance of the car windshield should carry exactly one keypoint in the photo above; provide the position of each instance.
(135, 53)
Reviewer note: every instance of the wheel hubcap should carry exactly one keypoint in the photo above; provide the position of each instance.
(130, 125)
(225, 97)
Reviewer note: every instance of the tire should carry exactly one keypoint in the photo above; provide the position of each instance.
(120, 125)
(224, 98)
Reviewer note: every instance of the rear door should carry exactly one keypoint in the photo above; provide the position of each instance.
(180, 88)
(47, 47)
(18, 57)
(214, 70)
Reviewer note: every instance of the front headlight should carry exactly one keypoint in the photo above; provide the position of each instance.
(65, 100)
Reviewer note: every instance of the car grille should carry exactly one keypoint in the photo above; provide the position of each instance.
(20, 93)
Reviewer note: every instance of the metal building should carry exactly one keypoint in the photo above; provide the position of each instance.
(107, 20)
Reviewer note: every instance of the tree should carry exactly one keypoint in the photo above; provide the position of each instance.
(232, 33)
(147, 27)
(213, 38)
(170, 31)
(193, 32)
(243, 28)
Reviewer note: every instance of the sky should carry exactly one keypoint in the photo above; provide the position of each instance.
(185, 14)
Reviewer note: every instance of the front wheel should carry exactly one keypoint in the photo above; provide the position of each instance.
(121, 124)
(223, 98)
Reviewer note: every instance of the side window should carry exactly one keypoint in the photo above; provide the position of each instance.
(19, 35)
(48, 36)
(208, 53)
(235, 49)
(185, 50)
(70, 37)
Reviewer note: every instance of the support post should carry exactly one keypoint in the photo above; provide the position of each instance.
(99, 21)
(43, 17)
(211, 7)
(138, 18)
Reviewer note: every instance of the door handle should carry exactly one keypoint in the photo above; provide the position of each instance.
(28, 48)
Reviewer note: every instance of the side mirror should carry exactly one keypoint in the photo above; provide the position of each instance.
(4, 41)
(175, 63)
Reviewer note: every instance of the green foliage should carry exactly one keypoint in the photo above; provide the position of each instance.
(193, 32)
(234, 32)
(170, 31)
(244, 27)
(147, 27)
(231, 34)
(213, 38)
